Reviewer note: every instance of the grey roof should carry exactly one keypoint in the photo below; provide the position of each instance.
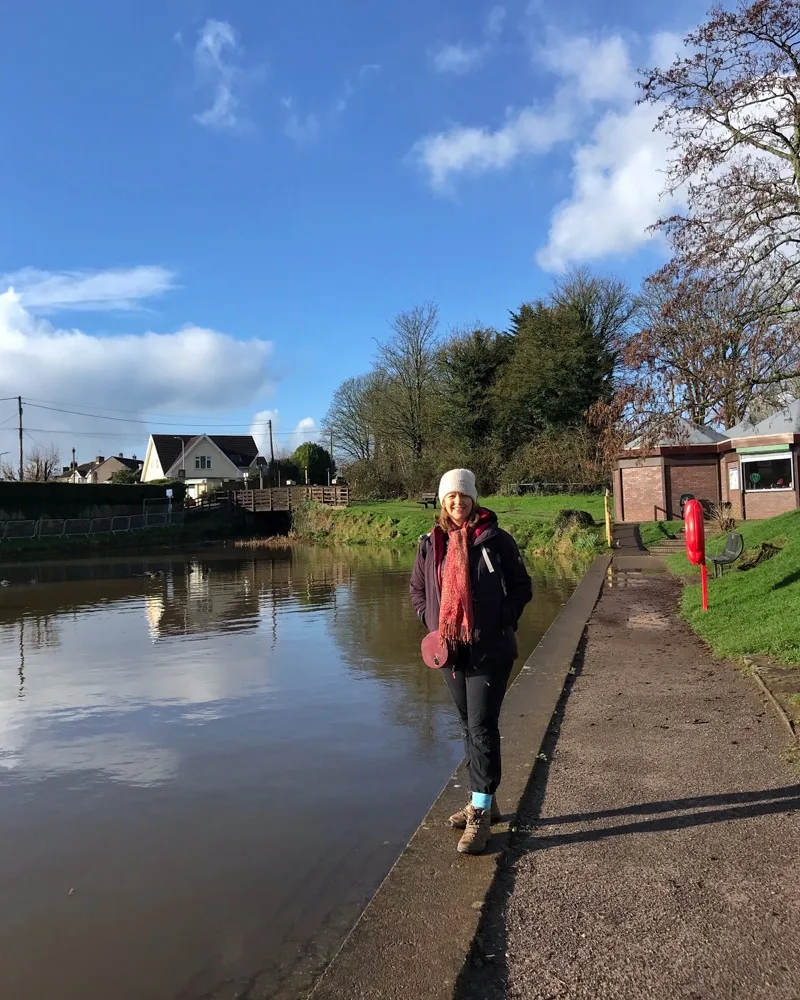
(783, 421)
(688, 434)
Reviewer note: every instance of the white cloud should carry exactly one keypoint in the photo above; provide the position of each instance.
(459, 58)
(600, 69)
(305, 129)
(285, 442)
(217, 69)
(302, 129)
(494, 23)
(477, 150)
(617, 160)
(191, 370)
(617, 182)
(121, 288)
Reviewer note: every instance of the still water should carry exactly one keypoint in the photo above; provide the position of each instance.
(207, 766)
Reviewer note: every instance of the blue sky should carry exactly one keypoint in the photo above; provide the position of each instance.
(212, 209)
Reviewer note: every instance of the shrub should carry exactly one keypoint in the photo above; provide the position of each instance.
(720, 518)
(567, 518)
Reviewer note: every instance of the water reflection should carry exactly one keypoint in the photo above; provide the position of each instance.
(176, 734)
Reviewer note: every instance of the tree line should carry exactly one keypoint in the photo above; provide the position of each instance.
(711, 337)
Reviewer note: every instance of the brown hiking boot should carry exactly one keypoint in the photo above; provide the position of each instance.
(479, 828)
(458, 821)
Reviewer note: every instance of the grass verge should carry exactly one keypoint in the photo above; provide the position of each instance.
(528, 519)
(753, 612)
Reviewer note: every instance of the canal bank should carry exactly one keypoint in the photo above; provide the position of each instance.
(413, 938)
(553, 527)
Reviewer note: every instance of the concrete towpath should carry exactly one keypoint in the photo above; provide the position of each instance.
(657, 854)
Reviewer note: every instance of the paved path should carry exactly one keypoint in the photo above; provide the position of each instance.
(658, 853)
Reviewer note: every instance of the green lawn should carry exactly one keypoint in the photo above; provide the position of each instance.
(541, 507)
(653, 532)
(753, 612)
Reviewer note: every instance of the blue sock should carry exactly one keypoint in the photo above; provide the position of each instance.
(481, 801)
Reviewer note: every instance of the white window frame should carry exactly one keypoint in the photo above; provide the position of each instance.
(768, 456)
(202, 463)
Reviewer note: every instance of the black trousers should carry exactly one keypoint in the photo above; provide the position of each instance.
(478, 696)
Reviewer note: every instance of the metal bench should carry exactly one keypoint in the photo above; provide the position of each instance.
(734, 547)
(428, 498)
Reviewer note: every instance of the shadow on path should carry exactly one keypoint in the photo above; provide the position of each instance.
(485, 973)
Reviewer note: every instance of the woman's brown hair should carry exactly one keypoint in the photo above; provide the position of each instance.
(443, 519)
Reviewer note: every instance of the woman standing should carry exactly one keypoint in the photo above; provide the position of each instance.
(470, 585)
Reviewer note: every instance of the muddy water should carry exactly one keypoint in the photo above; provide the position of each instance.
(207, 766)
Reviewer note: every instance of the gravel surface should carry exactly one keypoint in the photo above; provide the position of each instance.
(658, 847)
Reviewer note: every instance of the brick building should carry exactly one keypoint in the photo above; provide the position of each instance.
(752, 466)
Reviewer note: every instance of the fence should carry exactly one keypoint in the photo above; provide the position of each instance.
(533, 486)
(72, 527)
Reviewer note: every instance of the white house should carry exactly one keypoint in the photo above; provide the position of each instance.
(204, 460)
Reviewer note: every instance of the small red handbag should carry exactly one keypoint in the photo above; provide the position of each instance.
(434, 653)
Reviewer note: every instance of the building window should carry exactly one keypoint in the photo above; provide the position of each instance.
(773, 473)
(202, 462)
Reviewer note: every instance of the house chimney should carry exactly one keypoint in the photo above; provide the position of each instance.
(99, 459)
(65, 469)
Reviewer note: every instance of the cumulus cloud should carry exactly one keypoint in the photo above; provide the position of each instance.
(617, 182)
(597, 69)
(617, 160)
(218, 70)
(122, 288)
(285, 441)
(193, 369)
(459, 58)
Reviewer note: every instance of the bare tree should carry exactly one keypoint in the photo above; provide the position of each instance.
(703, 352)
(405, 377)
(603, 304)
(41, 465)
(349, 418)
(732, 107)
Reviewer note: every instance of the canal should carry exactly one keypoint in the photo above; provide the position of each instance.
(208, 765)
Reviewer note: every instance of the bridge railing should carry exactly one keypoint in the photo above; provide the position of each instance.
(71, 527)
(289, 497)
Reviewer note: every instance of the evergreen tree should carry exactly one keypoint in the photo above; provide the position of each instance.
(316, 460)
(469, 367)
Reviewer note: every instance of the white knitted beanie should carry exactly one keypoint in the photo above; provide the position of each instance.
(458, 481)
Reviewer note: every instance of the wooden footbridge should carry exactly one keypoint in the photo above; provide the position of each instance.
(286, 498)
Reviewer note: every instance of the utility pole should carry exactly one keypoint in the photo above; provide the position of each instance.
(271, 457)
(21, 460)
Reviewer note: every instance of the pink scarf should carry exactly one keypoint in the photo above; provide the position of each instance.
(456, 621)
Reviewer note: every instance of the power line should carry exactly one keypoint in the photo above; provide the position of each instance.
(106, 409)
(131, 420)
(138, 437)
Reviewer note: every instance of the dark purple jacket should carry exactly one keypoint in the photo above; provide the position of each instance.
(501, 588)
